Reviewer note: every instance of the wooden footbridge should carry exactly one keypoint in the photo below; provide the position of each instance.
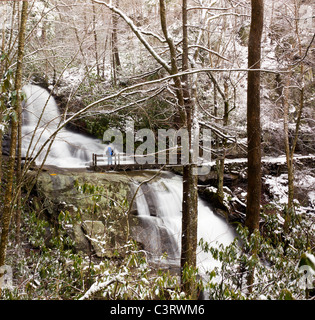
(121, 162)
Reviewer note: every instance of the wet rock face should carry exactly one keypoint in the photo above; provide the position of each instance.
(96, 202)
(69, 191)
(96, 233)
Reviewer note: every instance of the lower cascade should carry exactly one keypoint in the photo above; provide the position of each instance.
(158, 203)
(159, 206)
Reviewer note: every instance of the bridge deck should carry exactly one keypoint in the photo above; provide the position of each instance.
(131, 167)
(99, 164)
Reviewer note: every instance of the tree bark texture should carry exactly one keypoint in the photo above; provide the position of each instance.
(190, 194)
(115, 51)
(253, 117)
(7, 209)
(290, 146)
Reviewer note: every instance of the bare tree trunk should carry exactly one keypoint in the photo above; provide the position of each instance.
(221, 159)
(18, 172)
(253, 117)
(95, 41)
(220, 171)
(2, 63)
(220, 163)
(181, 114)
(115, 51)
(104, 57)
(289, 150)
(190, 180)
(289, 157)
(226, 104)
(7, 210)
(253, 126)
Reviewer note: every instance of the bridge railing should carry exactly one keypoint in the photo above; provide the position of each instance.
(121, 159)
(116, 159)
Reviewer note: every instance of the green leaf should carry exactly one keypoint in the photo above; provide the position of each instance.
(14, 115)
(6, 84)
(286, 295)
(23, 96)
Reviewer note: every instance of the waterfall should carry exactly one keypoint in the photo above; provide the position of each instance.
(159, 206)
(159, 203)
(40, 118)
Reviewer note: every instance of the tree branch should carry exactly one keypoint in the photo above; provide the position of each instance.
(137, 32)
(209, 50)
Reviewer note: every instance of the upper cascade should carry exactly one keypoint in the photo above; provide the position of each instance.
(40, 119)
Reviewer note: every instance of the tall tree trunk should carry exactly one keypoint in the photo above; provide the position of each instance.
(181, 114)
(253, 126)
(253, 117)
(289, 157)
(95, 41)
(220, 165)
(290, 149)
(7, 210)
(115, 52)
(18, 172)
(221, 159)
(190, 195)
(1, 105)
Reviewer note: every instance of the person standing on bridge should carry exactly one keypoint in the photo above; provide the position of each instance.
(109, 153)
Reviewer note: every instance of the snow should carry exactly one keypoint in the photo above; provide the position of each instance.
(310, 257)
(278, 186)
(74, 76)
(307, 182)
(96, 287)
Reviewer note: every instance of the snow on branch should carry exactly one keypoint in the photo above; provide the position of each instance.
(208, 50)
(228, 14)
(137, 32)
(210, 8)
(97, 287)
(306, 52)
(218, 132)
(156, 36)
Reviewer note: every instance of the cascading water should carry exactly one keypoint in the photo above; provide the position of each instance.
(158, 203)
(159, 206)
(41, 118)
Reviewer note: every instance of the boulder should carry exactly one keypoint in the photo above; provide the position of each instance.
(96, 233)
(97, 204)
(89, 199)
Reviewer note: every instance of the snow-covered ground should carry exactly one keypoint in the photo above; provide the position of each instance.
(304, 187)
